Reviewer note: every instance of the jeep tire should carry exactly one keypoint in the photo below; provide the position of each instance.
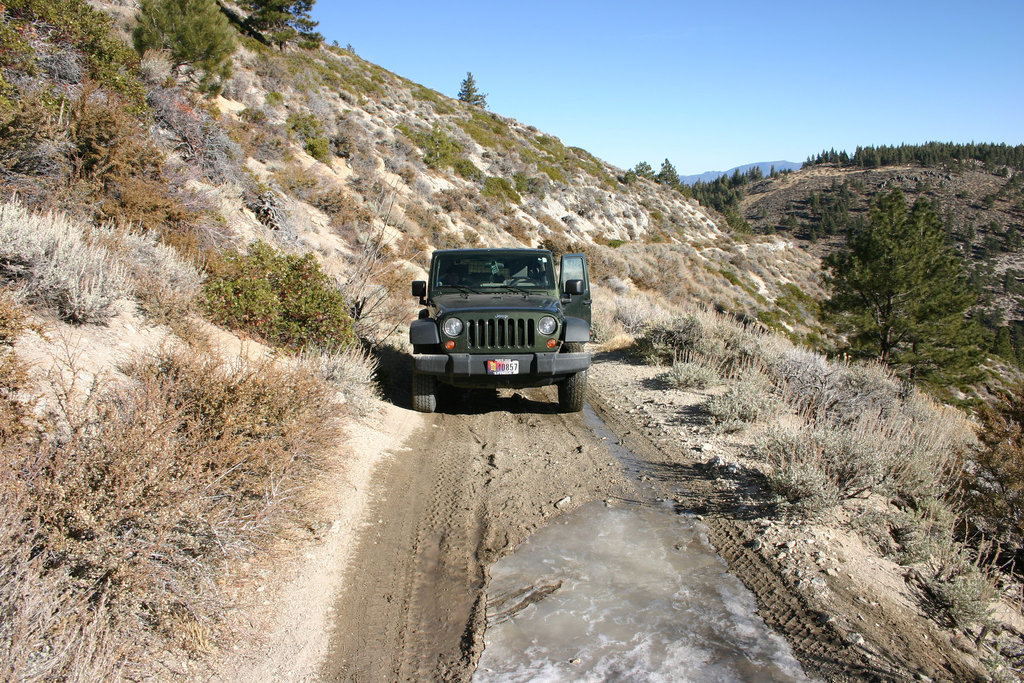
(572, 389)
(424, 392)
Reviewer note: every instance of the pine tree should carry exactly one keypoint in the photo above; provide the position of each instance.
(644, 170)
(282, 21)
(469, 93)
(667, 175)
(901, 293)
(196, 35)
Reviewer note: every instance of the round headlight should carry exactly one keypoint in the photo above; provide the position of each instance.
(547, 325)
(452, 327)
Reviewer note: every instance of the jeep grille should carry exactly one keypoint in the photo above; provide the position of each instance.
(503, 333)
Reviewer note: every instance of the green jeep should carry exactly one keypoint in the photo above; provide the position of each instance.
(499, 318)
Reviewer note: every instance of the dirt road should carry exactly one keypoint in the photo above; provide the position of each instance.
(476, 481)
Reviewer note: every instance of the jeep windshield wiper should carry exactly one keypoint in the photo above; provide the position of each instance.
(466, 291)
(517, 289)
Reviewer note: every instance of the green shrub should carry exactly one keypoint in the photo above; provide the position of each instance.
(284, 298)
(305, 125)
(488, 130)
(467, 169)
(195, 33)
(250, 115)
(552, 172)
(441, 106)
(109, 60)
(319, 148)
(501, 189)
(274, 99)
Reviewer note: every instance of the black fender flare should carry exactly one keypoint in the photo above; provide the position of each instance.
(424, 332)
(576, 330)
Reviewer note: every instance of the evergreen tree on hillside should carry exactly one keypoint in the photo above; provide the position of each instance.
(469, 93)
(196, 35)
(282, 21)
(901, 293)
(644, 170)
(667, 175)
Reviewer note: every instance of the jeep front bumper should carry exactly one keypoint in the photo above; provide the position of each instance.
(464, 365)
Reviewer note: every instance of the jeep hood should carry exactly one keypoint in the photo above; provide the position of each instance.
(497, 302)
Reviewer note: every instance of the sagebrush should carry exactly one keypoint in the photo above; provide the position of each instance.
(123, 505)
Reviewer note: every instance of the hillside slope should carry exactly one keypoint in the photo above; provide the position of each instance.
(982, 208)
(445, 174)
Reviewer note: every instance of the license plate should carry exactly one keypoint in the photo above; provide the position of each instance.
(502, 366)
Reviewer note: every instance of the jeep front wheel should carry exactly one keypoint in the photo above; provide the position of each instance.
(571, 390)
(424, 392)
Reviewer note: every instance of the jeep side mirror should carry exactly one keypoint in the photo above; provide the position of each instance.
(419, 288)
(574, 286)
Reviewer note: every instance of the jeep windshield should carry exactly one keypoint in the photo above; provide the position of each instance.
(488, 271)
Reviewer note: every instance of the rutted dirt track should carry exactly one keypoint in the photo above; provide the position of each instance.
(477, 480)
(481, 476)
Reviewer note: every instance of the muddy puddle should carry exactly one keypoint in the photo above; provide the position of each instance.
(625, 592)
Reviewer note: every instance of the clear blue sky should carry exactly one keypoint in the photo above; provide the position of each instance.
(712, 85)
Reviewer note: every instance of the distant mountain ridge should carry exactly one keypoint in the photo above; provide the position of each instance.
(765, 166)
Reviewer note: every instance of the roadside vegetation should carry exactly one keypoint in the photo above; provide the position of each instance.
(830, 432)
(129, 497)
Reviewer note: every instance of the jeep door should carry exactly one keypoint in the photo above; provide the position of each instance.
(574, 267)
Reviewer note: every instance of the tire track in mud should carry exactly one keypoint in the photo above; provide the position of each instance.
(472, 484)
(820, 648)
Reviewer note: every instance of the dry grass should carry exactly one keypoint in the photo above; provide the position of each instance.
(122, 505)
(59, 267)
(166, 285)
(351, 370)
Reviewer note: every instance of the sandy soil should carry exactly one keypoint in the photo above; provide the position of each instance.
(428, 503)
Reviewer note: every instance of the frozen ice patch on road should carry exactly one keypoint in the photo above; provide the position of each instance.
(643, 597)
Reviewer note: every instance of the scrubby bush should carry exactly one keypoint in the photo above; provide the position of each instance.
(165, 284)
(123, 507)
(351, 370)
(997, 488)
(319, 148)
(635, 313)
(80, 280)
(283, 298)
(194, 133)
(746, 401)
(965, 596)
(843, 392)
(663, 342)
(13, 373)
(815, 467)
(109, 60)
(916, 459)
(692, 374)
(501, 189)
